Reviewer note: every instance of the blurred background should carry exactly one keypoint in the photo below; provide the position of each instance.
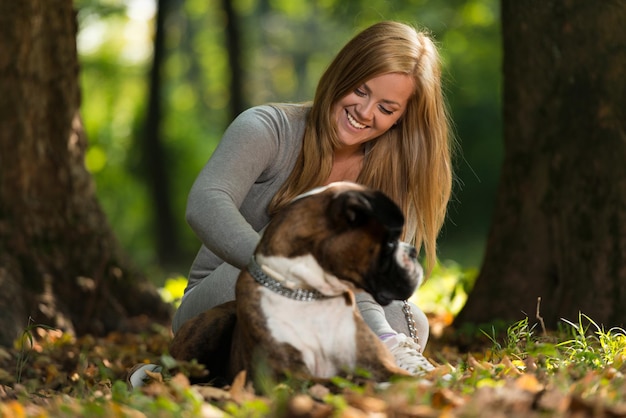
(161, 80)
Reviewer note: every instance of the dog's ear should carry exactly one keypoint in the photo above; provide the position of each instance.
(351, 207)
(387, 212)
(357, 207)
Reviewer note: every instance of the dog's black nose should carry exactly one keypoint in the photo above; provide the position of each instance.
(413, 253)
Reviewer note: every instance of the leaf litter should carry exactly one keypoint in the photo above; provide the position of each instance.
(579, 374)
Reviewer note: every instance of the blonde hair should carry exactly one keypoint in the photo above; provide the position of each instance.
(411, 162)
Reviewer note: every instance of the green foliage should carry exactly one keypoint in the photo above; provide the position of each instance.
(252, 409)
(445, 292)
(173, 290)
(286, 45)
(580, 347)
(25, 343)
(518, 339)
(593, 346)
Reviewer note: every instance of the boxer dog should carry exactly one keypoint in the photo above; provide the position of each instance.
(295, 313)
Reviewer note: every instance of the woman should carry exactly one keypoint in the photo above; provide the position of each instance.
(378, 118)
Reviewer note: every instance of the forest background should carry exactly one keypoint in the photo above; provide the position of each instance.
(148, 138)
(159, 82)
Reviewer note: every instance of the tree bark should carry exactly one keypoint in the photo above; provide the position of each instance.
(233, 47)
(59, 261)
(154, 162)
(559, 227)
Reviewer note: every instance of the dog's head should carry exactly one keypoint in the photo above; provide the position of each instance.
(353, 233)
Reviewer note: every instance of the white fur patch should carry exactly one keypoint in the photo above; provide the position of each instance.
(302, 272)
(324, 331)
(340, 185)
(408, 263)
(327, 346)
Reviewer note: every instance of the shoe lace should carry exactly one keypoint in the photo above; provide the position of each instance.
(408, 355)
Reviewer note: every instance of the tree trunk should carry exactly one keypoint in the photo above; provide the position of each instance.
(559, 228)
(233, 47)
(153, 151)
(59, 261)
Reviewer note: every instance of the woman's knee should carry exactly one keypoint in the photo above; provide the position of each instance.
(217, 288)
(399, 320)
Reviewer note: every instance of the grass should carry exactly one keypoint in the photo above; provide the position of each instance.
(577, 370)
(25, 341)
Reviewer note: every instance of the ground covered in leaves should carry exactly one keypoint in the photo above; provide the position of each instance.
(516, 374)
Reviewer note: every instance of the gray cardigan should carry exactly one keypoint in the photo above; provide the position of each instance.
(227, 209)
(227, 204)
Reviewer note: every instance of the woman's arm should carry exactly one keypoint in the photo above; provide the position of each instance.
(247, 150)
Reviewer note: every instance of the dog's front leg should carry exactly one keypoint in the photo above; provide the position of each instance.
(372, 355)
(256, 351)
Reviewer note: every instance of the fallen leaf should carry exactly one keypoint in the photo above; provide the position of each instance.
(158, 377)
(552, 400)
(318, 391)
(12, 409)
(531, 365)
(529, 383)
(210, 411)
(300, 405)
(239, 391)
(365, 403)
(480, 365)
(509, 367)
(155, 389)
(179, 379)
(351, 412)
(4, 354)
(446, 397)
(213, 393)
(417, 411)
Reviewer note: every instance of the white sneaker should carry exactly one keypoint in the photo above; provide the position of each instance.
(407, 354)
(138, 377)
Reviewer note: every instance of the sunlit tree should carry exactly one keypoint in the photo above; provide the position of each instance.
(559, 230)
(60, 265)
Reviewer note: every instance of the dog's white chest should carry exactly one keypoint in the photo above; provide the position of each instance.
(323, 331)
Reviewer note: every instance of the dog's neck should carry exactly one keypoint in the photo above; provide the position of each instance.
(276, 284)
(300, 278)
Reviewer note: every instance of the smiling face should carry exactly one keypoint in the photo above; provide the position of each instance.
(372, 108)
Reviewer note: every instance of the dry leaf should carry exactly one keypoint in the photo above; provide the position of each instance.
(158, 377)
(531, 365)
(213, 393)
(4, 354)
(365, 403)
(239, 390)
(180, 380)
(318, 391)
(12, 409)
(510, 368)
(155, 389)
(446, 397)
(529, 383)
(351, 412)
(552, 400)
(210, 411)
(417, 411)
(480, 365)
(300, 405)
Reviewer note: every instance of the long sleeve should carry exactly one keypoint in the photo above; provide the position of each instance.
(227, 204)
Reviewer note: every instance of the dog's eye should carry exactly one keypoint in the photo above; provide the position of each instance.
(390, 247)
